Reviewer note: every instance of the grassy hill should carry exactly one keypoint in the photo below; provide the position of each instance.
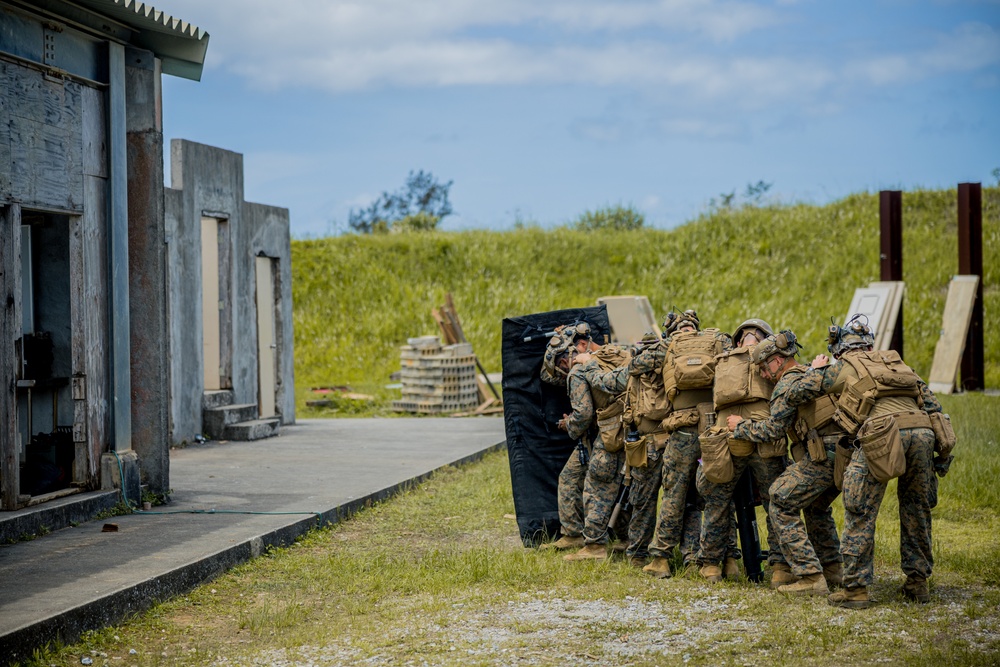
(357, 298)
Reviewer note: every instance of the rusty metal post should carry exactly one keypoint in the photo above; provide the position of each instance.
(970, 262)
(891, 255)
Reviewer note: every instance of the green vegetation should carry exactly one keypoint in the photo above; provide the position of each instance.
(358, 297)
(439, 576)
(610, 218)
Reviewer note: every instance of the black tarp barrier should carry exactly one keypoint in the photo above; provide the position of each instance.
(536, 447)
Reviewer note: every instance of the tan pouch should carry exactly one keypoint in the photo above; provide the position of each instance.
(840, 461)
(609, 423)
(816, 447)
(660, 440)
(716, 463)
(798, 451)
(855, 404)
(883, 448)
(705, 414)
(944, 435)
(768, 450)
(681, 419)
(635, 452)
(740, 447)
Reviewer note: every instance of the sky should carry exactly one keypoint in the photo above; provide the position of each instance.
(541, 110)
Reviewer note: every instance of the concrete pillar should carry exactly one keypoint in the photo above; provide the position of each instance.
(147, 259)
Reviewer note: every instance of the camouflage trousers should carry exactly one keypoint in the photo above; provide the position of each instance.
(570, 497)
(642, 496)
(805, 488)
(718, 526)
(917, 493)
(604, 477)
(679, 522)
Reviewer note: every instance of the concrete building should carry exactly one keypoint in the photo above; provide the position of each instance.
(230, 301)
(84, 392)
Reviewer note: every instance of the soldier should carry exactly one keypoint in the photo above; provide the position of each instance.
(688, 370)
(872, 384)
(812, 549)
(573, 474)
(740, 391)
(591, 404)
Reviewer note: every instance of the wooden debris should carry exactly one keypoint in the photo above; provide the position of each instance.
(452, 333)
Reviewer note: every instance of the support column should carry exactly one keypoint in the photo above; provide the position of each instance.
(891, 236)
(970, 262)
(147, 271)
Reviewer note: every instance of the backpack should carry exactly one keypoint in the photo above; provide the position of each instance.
(690, 361)
(737, 380)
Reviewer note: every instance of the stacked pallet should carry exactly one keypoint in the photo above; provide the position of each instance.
(437, 378)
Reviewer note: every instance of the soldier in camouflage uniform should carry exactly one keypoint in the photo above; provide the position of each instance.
(812, 548)
(603, 478)
(746, 396)
(573, 474)
(916, 487)
(679, 521)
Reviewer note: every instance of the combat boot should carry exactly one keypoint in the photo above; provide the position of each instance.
(834, 574)
(916, 589)
(637, 561)
(659, 567)
(811, 584)
(589, 552)
(781, 574)
(850, 598)
(731, 569)
(619, 547)
(565, 542)
(712, 573)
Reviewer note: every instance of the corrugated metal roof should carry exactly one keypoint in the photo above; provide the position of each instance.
(180, 45)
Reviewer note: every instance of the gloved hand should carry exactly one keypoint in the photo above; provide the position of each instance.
(942, 464)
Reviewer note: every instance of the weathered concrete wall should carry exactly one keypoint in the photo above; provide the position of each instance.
(208, 181)
(150, 397)
(268, 234)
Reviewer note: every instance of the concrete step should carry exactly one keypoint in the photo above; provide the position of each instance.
(254, 429)
(216, 398)
(62, 512)
(215, 420)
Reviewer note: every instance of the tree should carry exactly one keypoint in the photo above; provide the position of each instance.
(422, 203)
(617, 218)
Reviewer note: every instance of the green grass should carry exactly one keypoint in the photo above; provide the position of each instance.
(357, 298)
(438, 574)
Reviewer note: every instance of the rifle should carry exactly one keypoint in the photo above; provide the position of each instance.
(622, 501)
(745, 498)
(581, 451)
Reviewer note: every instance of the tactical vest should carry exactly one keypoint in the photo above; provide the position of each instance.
(737, 380)
(646, 401)
(690, 362)
(884, 385)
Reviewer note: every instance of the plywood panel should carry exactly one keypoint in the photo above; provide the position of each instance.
(266, 345)
(93, 124)
(10, 331)
(870, 302)
(954, 330)
(95, 384)
(890, 314)
(210, 304)
(631, 318)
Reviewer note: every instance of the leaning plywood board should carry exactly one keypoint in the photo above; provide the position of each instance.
(870, 302)
(631, 317)
(887, 323)
(954, 331)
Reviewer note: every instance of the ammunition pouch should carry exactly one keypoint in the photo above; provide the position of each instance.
(611, 427)
(635, 452)
(944, 435)
(681, 419)
(740, 447)
(855, 404)
(716, 462)
(704, 410)
(660, 439)
(883, 448)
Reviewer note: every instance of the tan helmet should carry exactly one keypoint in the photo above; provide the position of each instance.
(762, 327)
(675, 320)
(855, 334)
(783, 343)
(564, 342)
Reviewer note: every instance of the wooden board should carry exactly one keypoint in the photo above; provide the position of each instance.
(872, 302)
(890, 315)
(954, 331)
(631, 317)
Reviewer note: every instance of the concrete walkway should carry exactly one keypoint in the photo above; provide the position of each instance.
(81, 578)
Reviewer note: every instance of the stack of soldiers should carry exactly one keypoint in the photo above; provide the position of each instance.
(689, 410)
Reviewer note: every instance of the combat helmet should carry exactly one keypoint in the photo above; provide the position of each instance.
(855, 334)
(784, 343)
(753, 323)
(560, 344)
(675, 320)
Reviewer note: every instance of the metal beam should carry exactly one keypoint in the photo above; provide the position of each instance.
(970, 262)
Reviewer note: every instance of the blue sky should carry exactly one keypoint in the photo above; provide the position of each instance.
(539, 110)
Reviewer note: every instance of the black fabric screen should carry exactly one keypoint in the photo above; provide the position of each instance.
(536, 447)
